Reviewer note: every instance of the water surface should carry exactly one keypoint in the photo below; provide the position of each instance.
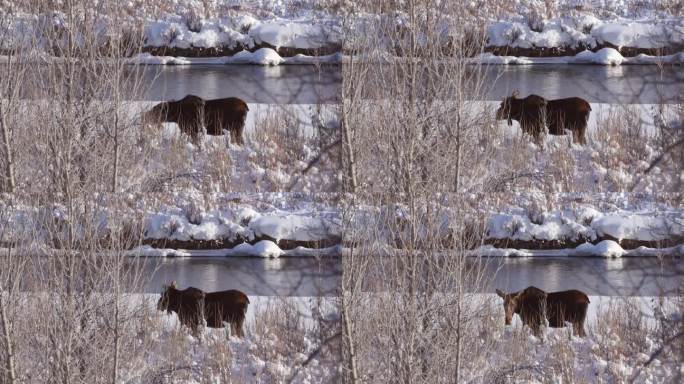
(310, 276)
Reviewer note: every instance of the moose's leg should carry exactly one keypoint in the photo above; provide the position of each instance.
(239, 134)
(236, 322)
(582, 136)
(536, 330)
(235, 329)
(236, 134)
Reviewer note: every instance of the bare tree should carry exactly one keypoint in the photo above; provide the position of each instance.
(417, 144)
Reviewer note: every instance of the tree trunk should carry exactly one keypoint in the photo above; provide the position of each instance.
(350, 339)
(7, 152)
(5, 327)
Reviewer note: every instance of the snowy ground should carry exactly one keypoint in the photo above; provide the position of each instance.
(609, 353)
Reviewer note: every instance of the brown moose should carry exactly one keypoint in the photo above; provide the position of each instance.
(535, 113)
(192, 305)
(534, 305)
(192, 112)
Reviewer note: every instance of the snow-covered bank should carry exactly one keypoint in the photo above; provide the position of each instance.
(604, 56)
(263, 248)
(262, 56)
(586, 224)
(586, 31)
(302, 32)
(605, 248)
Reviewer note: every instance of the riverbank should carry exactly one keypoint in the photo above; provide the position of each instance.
(296, 32)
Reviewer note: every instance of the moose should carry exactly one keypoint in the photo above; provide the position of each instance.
(535, 113)
(192, 112)
(533, 305)
(192, 305)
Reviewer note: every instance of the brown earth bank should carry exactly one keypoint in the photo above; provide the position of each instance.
(626, 244)
(572, 51)
(335, 48)
(230, 51)
(224, 244)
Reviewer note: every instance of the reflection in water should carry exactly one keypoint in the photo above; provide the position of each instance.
(596, 276)
(254, 276)
(627, 84)
(297, 84)
(310, 84)
(311, 276)
(641, 84)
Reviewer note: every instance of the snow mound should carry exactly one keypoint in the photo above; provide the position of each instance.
(604, 56)
(606, 248)
(263, 248)
(262, 56)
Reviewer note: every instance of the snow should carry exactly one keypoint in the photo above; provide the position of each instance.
(555, 225)
(173, 223)
(586, 223)
(640, 227)
(293, 34)
(263, 248)
(605, 248)
(280, 333)
(587, 359)
(149, 251)
(293, 227)
(587, 31)
(262, 56)
(604, 56)
(643, 34)
(242, 31)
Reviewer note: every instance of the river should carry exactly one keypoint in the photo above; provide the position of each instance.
(305, 84)
(321, 277)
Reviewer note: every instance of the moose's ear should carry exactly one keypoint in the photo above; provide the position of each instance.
(501, 294)
(173, 284)
(516, 93)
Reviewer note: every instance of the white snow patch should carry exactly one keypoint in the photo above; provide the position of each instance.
(604, 56)
(263, 56)
(263, 248)
(292, 227)
(640, 226)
